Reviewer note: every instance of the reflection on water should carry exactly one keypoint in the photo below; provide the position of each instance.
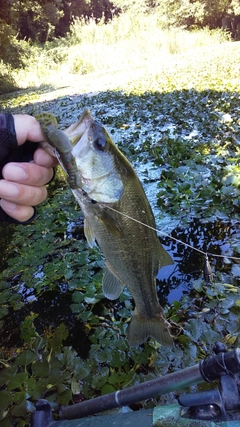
(212, 238)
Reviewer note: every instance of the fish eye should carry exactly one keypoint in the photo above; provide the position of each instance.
(100, 143)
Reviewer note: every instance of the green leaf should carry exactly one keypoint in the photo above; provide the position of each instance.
(23, 409)
(107, 388)
(75, 386)
(198, 285)
(20, 396)
(39, 389)
(7, 374)
(65, 397)
(193, 329)
(6, 422)
(17, 381)
(26, 358)
(78, 296)
(235, 270)
(56, 376)
(81, 372)
(41, 369)
(60, 334)
(91, 300)
(209, 336)
(4, 296)
(6, 399)
(3, 312)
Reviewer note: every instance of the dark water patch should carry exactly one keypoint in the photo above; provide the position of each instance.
(211, 238)
(75, 229)
(10, 331)
(6, 236)
(50, 309)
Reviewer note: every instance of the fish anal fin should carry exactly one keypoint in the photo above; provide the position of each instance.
(164, 257)
(142, 328)
(111, 285)
(89, 233)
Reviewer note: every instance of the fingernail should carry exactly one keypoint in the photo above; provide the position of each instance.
(7, 189)
(14, 173)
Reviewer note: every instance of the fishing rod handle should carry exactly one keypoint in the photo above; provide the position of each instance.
(210, 369)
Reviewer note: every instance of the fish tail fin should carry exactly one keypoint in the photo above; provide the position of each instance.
(142, 328)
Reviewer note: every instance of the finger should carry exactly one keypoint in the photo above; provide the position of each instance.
(25, 195)
(42, 158)
(18, 212)
(27, 173)
(27, 128)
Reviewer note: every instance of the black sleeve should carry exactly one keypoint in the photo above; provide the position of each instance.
(11, 152)
(8, 140)
(9, 149)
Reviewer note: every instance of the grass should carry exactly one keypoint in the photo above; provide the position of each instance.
(124, 43)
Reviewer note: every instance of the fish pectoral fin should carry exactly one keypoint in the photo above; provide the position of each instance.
(111, 285)
(110, 223)
(142, 328)
(89, 233)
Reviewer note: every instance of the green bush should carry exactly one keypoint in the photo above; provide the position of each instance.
(7, 82)
(124, 42)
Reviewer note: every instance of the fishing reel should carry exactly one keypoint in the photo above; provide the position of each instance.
(212, 408)
(219, 404)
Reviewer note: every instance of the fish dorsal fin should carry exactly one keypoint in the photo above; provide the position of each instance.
(89, 233)
(112, 287)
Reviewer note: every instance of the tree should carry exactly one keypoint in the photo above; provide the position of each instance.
(36, 20)
(192, 13)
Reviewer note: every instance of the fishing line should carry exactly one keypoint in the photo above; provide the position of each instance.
(173, 238)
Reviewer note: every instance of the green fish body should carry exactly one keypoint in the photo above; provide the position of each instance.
(110, 195)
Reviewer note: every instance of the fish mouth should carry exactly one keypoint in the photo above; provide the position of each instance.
(83, 124)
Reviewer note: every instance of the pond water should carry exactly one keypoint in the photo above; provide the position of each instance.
(211, 238)
(53, 306)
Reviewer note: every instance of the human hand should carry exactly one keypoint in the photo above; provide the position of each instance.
(23, 183)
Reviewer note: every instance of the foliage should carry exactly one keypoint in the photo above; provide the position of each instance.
(11, 50)
(177, 120)
(89, 47)
(192, 14)
(37, 22)
(7, 82)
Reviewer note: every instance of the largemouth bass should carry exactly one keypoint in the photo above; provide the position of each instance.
(109, 192)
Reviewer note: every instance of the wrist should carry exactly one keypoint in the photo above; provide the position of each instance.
(11, 131)
(8, 141)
